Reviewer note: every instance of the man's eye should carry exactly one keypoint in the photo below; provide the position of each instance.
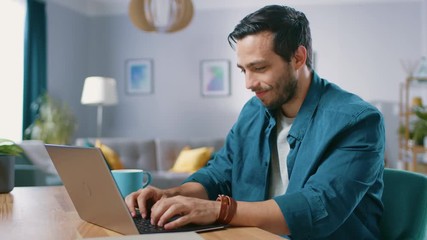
(259, 69)
(242, 70)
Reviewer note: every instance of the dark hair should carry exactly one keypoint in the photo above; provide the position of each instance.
(290, 28)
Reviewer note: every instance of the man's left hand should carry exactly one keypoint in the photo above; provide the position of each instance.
(191, 210)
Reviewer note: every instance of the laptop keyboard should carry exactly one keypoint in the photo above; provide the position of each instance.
(144, 226)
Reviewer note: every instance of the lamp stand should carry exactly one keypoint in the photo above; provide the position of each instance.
(99, 121)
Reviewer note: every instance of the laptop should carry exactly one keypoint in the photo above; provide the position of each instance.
(93, 192)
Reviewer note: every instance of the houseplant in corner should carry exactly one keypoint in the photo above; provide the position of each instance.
(420, 126)
(8, 151)
(54, 124)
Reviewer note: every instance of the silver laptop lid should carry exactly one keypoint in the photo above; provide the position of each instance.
(91, 187)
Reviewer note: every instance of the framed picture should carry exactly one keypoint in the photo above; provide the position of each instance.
(215, 77)
(139, 76)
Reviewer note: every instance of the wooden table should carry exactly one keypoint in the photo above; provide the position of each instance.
(48, 213)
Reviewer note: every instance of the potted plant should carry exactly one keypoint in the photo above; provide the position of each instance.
(54, 124)
(420, 126)
(8, 151)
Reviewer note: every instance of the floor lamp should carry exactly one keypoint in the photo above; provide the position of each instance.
(100, 92)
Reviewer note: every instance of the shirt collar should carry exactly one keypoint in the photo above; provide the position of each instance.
(308, 107)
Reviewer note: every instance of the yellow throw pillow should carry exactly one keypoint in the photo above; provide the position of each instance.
(191, 160)
(113, 159)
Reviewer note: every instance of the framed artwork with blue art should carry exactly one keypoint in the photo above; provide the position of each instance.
(215, 77)
(139, 76)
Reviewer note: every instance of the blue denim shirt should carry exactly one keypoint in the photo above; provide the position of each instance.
(335, 164)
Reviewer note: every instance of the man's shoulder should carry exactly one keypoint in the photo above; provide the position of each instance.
(338, 100)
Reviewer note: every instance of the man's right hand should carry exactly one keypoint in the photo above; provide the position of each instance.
(144, 199)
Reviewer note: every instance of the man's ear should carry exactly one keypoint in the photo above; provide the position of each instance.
(300, 57)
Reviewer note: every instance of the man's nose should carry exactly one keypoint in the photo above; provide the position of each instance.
(250, 81)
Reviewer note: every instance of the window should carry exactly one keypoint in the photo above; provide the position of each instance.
(12, 22)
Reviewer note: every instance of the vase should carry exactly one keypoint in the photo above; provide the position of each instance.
(7, 173)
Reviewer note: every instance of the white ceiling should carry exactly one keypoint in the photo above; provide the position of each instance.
(113, 7)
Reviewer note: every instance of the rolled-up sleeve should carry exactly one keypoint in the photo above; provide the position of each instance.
(216, 176)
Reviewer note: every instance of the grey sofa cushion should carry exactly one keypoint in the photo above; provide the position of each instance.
(134, 153)
(169, 149)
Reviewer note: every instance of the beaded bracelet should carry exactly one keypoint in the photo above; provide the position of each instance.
(228, 209)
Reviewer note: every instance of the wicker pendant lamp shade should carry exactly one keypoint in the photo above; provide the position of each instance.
(161, 15)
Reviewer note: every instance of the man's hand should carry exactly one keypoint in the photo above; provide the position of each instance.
(187, 200)
(143, 199)
(191, 210)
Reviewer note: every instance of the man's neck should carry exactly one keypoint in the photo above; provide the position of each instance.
(291, 108)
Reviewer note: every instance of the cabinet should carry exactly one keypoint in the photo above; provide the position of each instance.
(412, 155)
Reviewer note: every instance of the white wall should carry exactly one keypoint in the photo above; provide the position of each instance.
(68, 64)
(424, 26)
(358, 46)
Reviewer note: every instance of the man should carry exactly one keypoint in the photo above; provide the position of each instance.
(304, 159)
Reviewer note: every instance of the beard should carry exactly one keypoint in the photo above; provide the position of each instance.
(286, 93)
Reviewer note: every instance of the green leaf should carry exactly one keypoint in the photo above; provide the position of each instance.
(421, 112)
(8, 147)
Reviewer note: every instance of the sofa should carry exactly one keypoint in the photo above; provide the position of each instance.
(157, 156)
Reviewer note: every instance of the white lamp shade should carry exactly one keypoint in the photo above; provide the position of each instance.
(99, 91)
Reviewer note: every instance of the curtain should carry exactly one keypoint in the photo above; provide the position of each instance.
(35, 82)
